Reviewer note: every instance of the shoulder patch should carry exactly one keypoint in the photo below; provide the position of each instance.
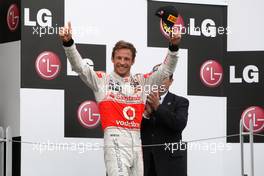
(100, 74)
(147, 75)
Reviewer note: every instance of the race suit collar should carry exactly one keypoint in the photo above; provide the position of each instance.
(118, 77)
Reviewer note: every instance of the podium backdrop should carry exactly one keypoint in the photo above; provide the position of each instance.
(43, 100)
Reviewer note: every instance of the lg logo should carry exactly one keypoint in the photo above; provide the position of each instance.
(207, 28)
(211, 73)
(12, 17)
(48, 65)
(250, 74)
(256, 115)
(43, 18)
(88, 114)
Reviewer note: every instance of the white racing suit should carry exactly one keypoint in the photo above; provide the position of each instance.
(121, 103)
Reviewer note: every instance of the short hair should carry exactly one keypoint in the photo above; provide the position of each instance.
(124, 45)
(156, 67)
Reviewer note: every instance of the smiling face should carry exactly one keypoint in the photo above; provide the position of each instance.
(123, 60)
(123, 57)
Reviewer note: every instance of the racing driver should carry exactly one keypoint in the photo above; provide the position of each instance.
(121, 100)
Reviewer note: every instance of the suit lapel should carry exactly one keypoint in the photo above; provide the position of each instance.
(168, 99)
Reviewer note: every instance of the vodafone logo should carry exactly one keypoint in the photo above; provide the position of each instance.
(129, 113)
(255, 113)
(211, 73)
(88, 114)
(12, 17)
(48, 65)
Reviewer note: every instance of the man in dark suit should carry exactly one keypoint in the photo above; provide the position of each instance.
(165, 117)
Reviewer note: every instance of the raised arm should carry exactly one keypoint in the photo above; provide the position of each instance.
(88, 75)
(169, 64)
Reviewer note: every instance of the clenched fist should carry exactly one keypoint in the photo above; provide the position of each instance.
(66, 32)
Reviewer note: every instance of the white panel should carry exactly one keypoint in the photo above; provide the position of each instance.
(207, 119)
(245, 21)
(10, 86)
(42, 120)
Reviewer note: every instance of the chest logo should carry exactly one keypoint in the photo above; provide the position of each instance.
(129, 113)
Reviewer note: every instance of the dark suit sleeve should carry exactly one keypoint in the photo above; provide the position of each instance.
(175, 119)
(144, 122)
